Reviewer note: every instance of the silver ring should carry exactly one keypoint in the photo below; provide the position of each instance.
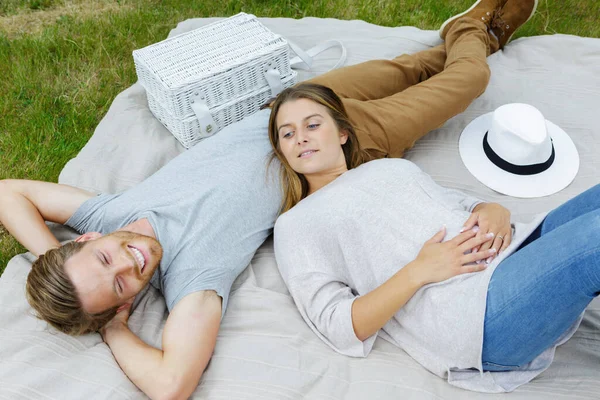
(501, 237)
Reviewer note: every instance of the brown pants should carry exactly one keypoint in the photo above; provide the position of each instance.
(393, 103)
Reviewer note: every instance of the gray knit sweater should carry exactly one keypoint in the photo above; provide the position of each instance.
(351, 236)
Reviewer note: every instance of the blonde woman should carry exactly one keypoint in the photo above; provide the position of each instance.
(379, 249)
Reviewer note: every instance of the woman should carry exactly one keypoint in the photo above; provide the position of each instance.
(380, 249)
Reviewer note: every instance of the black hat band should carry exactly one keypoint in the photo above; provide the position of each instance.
(530, 169)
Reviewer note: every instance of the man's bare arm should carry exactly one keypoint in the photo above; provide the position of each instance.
(25, 205)
(188, 342)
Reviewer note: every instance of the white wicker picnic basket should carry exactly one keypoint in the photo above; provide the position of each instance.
(201, 81)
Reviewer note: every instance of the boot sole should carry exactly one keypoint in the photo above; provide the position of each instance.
(457, 16)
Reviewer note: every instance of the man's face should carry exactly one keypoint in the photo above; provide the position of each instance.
(112, 269)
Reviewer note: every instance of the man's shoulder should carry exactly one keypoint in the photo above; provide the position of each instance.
(89, 214)
(203, 301)
(252, 126)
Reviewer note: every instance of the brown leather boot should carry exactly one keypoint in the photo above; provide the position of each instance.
(510, 18)
(482, 10)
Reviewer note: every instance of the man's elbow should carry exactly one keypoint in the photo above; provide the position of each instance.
(10, 188)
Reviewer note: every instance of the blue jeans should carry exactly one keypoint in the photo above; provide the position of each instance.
(539, 291)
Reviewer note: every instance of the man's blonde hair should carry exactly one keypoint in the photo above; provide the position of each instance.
(54, 298)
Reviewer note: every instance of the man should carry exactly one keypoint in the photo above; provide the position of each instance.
(193, 226)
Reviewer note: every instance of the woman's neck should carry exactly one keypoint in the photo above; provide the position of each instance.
(320, 179)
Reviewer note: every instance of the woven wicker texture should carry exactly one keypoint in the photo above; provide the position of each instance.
(187, 130)
(223, 61)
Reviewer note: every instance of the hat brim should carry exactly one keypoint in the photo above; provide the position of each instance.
(557, 177)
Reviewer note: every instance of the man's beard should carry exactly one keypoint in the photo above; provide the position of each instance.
(154, 247)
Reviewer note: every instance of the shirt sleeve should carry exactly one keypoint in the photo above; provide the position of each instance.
(90, 216)
(312, 266)
(195, 278)
(326, 306)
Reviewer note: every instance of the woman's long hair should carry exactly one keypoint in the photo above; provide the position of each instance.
(295, 186)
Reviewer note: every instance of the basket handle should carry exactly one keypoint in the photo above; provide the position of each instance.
(305, 58)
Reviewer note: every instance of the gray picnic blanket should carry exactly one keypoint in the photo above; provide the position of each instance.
(264, 349)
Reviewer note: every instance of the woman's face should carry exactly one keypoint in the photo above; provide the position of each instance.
(309, 138)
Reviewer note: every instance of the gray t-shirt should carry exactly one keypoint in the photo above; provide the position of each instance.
(211, 208)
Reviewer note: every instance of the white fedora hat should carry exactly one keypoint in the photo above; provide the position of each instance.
(516, 151)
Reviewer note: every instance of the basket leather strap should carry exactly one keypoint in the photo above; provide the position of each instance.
(305, 58)
(274, 80)
(207, 124)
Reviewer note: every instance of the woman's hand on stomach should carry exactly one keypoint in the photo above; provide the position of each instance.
(491, 217)
(439, 261)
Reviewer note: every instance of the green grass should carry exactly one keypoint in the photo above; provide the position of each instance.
(63, 62)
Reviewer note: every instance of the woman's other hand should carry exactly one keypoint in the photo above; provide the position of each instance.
(491, 217)
(438, 261)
